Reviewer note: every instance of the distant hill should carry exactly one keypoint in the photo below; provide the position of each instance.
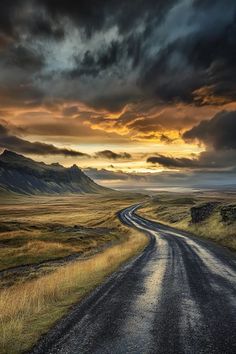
(19, 174)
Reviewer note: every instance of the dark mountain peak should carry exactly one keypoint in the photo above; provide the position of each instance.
(57, 164)
(10, 154)
(12, 157)
(23, 175)
(7, 152)
(18, 160)
(75, 168)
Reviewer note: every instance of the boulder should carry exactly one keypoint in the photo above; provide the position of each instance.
(228, 213)
(202, 212)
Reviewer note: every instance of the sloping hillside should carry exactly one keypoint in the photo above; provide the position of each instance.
(19, 174)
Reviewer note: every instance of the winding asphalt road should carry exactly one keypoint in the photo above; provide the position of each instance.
(178, 296)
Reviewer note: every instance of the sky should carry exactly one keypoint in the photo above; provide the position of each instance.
(134, 92)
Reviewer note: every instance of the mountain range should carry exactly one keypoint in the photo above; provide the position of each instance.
(19, 174)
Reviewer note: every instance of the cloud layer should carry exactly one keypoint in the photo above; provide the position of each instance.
(12, 142)
(167, 50)
(220, 131)
(111, 155)
(218, 135)
(110, 74)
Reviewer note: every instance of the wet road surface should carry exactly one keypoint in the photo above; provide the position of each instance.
(178, 296)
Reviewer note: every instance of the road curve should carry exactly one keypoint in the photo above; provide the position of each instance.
(178, 296)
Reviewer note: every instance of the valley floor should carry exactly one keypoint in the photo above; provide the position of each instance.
(54, 251)
(176, 297)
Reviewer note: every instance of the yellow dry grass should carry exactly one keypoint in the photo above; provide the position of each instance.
(38, 247)
(36, 229)
(27, 310)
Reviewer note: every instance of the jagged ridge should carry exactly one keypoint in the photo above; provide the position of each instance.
(20, 174)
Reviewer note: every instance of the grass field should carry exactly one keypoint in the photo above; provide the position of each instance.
(174, 209)
(38, 229)
(35, 229)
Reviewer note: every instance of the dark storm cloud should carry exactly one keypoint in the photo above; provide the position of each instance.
(172, 162)
(209, 160)
(104, 59)
(95, 15)
(111, 53)
(8, 9)
(219, 132)
(16, 16)
(203, 54)
(12, 142)
(43, 27)
(104, 174)
(113, 102)
(218, 135)
(111, 155)
(169, 66)
(22, 57)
